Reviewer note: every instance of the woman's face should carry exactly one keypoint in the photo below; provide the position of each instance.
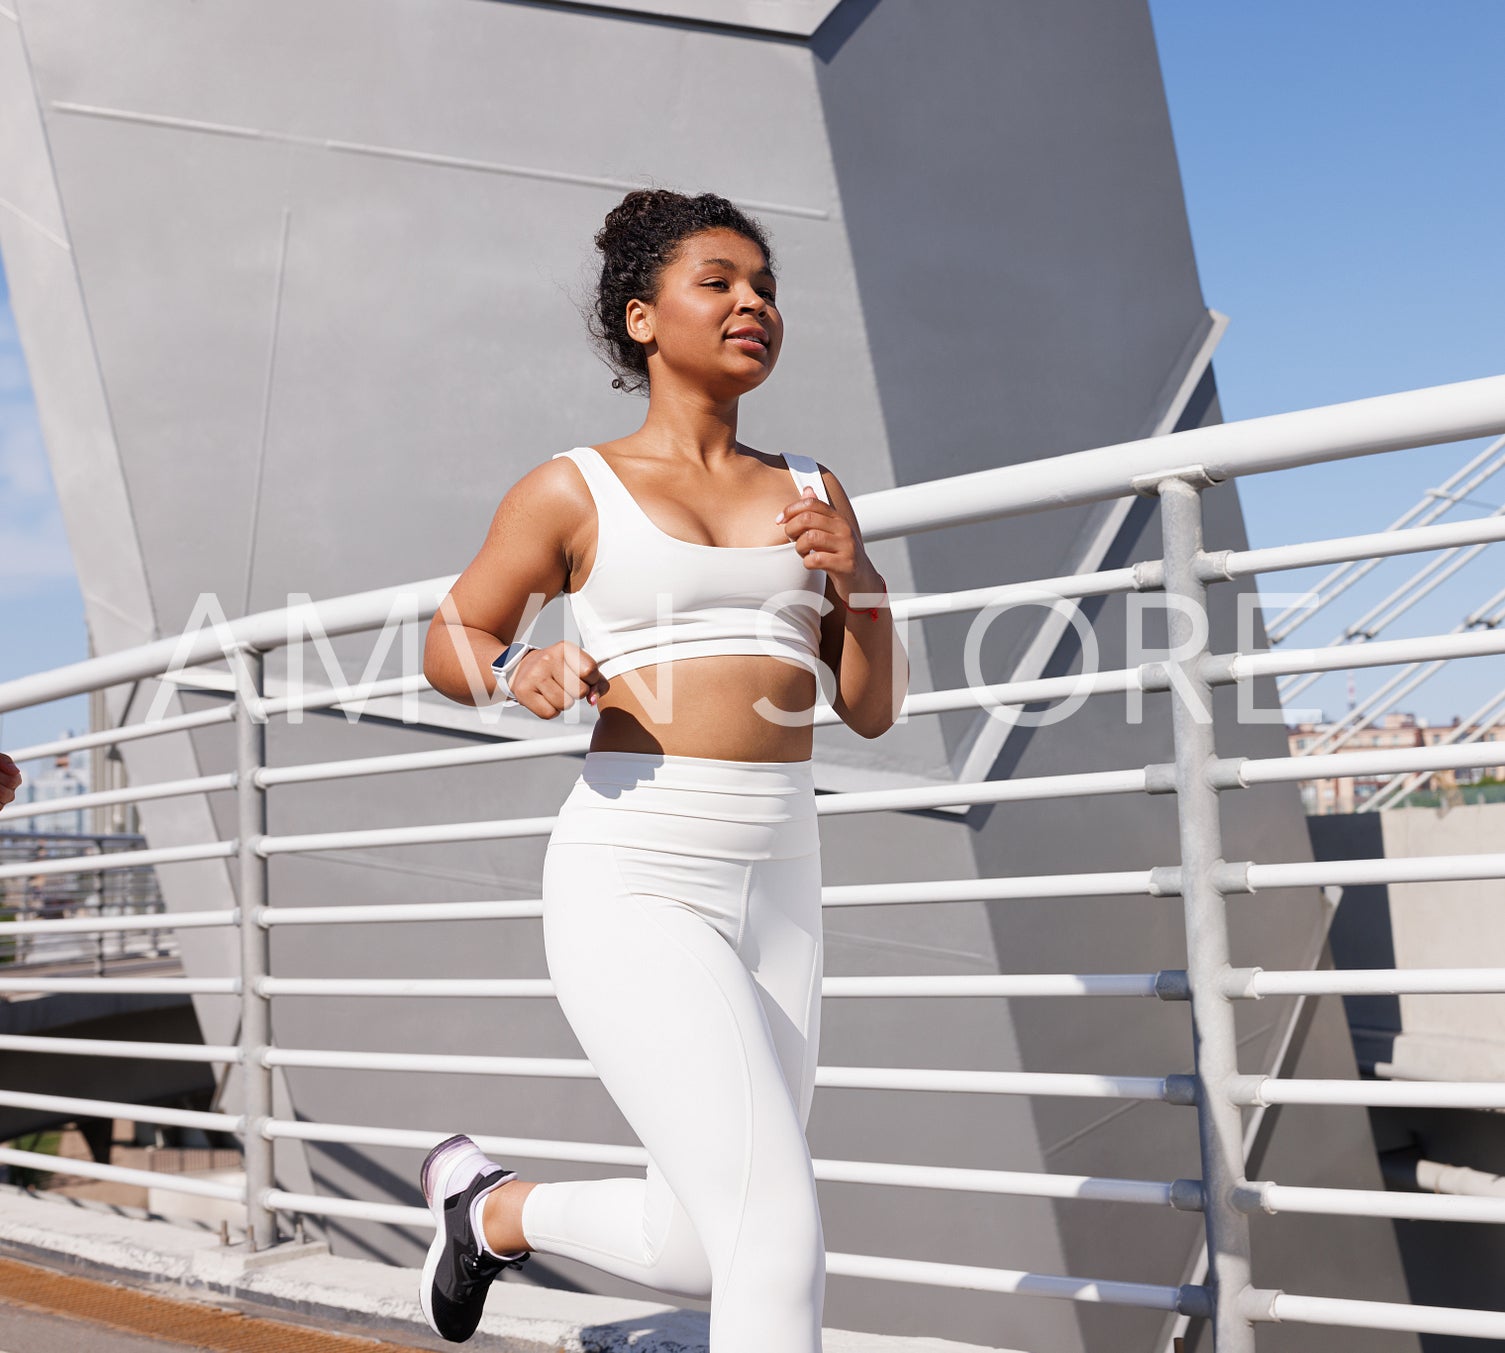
(716, 286)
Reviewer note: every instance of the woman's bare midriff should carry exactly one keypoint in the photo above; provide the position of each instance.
(710, 706)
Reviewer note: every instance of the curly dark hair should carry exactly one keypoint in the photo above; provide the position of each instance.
(641, 236)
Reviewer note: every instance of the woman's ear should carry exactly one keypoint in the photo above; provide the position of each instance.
(639, 321)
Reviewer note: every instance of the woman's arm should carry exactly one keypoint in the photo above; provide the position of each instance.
(521, 566)
(871, 665)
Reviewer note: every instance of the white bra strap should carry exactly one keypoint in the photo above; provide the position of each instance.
(806, 470)
(609, 492)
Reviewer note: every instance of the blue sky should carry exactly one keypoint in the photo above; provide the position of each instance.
(1341, 169)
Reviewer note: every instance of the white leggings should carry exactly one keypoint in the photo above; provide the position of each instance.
(682, 926)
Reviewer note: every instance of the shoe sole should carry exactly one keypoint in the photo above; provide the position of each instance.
(434, 1178)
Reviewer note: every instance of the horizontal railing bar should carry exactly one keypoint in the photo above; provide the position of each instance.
(1113, 681)
(381, 697)
(1069, 1085)
(1025, 789)
(940, 984)
(1386, 760)
(1143, 577)
(1401, 869)
(1443, 413)
(1382, 1315)
(1252, 983)
(111, 1047)
(1096, 1291)
(530, 1148)
(1064, 1084)
(1220, 564)
(128, 733)
(466, 1065)
(1009, 1183)
(1084, 1188)
(358, 694)
(383, 912)
(1222, 668)
(264, 630)
(147, 920)
(1123, 883)
(496, 829)
(119, 1174)
(1269, 1196)
(317, 1205)
(118, 859)
(406, 986)
(135, 1113)
(1130, 781)
(1266, 1090)
(165, 789)
(406, 761)
(139, 986)
(1147, 576)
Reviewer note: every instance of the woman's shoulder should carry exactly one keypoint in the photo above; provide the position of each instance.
(552, 491)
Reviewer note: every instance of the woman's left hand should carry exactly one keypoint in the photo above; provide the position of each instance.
(10, 779)
(825, 539)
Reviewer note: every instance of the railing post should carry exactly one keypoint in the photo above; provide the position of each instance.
(1219, 1120)
(255, 1008)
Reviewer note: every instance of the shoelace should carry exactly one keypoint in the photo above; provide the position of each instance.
(480, 1268)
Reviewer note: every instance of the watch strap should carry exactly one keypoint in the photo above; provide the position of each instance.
(505, 664)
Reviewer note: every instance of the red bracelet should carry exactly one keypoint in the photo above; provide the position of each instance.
(870, 610)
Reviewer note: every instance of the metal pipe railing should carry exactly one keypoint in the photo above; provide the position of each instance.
(120, 1048)
(120, 1174)
(1215, 1042)
(1183, 1195)
(1376, 1315)
(1024, 985)
(255, 953)
(1177, 469)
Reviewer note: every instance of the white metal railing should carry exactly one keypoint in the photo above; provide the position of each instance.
(1176, 469)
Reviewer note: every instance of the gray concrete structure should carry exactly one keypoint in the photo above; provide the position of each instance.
(1428, 925)
(299, 287)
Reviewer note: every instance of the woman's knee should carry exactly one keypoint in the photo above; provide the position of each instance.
(781, 1232)
(680, 1265)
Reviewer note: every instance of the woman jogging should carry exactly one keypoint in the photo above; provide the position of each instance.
(712, 584)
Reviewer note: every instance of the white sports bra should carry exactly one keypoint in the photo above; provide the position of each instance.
(654, 598)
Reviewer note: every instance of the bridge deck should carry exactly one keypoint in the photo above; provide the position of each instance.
(349, 1302)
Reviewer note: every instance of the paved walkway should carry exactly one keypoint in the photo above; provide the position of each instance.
(46, 1312)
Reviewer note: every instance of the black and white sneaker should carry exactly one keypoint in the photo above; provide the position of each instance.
(459, 1268)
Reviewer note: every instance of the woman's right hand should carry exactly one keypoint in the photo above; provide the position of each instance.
(549, 680)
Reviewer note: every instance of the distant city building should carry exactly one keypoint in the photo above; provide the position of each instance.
(67, 777)
(1346, 794)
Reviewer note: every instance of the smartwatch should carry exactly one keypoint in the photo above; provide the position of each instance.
(505, 664)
